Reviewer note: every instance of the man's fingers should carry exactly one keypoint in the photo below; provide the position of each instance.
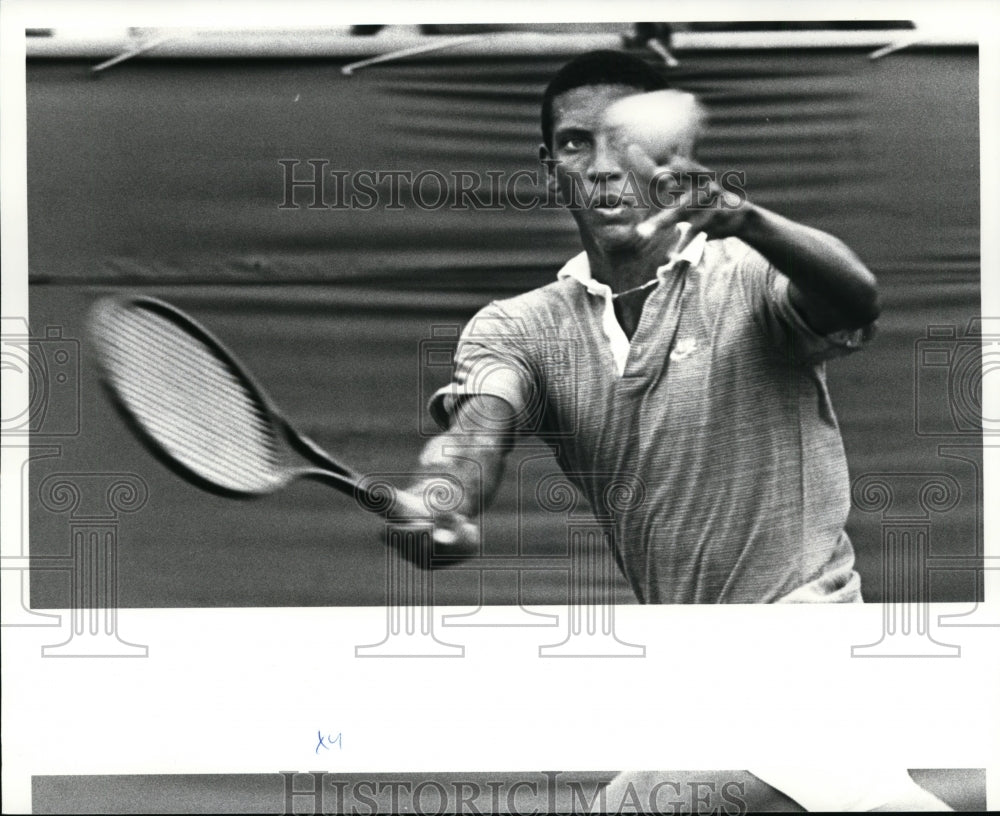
(679, 163)
(451, 541)
(408, 504)
(649, 170)
(665, 218)
(699, 218)
(454, 528)
(642, 161)
(445, 536)
(674, 165)
(449, 529)
(461, 534)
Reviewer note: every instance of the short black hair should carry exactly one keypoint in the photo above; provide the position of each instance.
(605, 67)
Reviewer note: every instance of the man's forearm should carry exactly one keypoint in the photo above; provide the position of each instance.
(469, 455)
(835, 290)
(472, 451)
(474, 461)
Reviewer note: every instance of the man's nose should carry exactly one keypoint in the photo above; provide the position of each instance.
(605, 162)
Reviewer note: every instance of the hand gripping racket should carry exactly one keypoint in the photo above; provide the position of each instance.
(198, 409)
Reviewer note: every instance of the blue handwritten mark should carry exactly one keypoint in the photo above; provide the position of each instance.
(327, 741)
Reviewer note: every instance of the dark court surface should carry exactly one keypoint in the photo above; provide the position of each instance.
(478, 792)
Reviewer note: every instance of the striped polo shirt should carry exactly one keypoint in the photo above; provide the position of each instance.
(708, 441)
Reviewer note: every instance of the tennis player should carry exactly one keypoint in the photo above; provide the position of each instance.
(684, 348)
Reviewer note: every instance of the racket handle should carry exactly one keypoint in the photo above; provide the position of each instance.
(315, 454)
(345, 484)
(376, 500)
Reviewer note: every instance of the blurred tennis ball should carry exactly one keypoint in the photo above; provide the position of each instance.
(661, 123)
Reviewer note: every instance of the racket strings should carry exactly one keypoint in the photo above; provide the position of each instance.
(191, 401)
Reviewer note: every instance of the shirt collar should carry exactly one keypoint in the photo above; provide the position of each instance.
(578, 267)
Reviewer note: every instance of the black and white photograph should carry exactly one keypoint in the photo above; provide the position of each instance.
(644, 371)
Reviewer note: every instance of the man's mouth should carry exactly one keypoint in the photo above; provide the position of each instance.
(611, 205)
(607, 200)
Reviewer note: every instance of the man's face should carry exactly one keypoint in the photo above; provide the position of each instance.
(593, 174)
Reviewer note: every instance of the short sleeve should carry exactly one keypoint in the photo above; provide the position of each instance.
(766, 289)
(491, 360)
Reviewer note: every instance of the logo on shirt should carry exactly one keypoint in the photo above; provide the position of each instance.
(683, 348)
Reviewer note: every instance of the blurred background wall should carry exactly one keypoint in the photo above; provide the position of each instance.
(161, 176)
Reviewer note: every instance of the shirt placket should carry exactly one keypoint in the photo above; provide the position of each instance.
(632, 358)
(657, 330)
(613, 332)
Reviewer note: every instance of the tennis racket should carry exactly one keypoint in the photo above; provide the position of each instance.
(197, 408)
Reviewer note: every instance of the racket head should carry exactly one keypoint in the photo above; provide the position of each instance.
(188, 399)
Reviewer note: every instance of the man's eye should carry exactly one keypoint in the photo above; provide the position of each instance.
(573, 144)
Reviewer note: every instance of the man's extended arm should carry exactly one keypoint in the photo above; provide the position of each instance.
(831, 287)
(472, 453)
